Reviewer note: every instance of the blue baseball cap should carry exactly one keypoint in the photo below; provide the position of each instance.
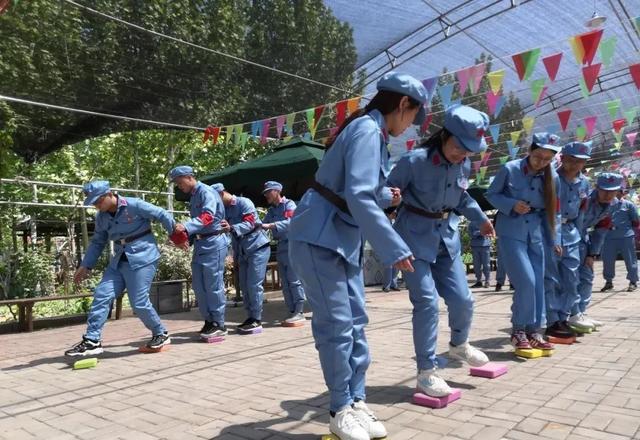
(406, 85)
(580, 150)
(609, 181)
(467, 125)
(272, 184)
(94, 190)
(182, 170)
(548, 141)
(218, 187)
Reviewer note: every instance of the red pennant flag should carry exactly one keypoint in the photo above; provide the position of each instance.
(525, 62)
(552, 64)
(590, 42)
(634, 70)
(410, 144)
(618, 124)
(207, 134)
(318, 113)
(564, 116)
(341, 112)
(590, 75)
(426, 123)
(211, 132)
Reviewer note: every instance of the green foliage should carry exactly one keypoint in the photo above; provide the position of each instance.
(33, 275)
(57, 53)
(174, 264)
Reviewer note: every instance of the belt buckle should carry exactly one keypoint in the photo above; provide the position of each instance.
(123, 241)
(445, 215)
(198, 237)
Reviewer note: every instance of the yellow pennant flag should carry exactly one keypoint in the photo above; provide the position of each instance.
(578, 49)
(515, 135)
(527, 123)
(495, 80)
(353, 104)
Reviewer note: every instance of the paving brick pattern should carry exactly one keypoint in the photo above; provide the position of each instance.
(270, 386)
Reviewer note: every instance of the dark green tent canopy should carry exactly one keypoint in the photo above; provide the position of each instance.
(293, 164)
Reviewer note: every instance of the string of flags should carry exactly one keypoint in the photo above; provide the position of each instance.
(584, 47)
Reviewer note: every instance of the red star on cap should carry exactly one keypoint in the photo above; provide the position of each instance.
(583, 149)
(552, 140)
(480, 133)
(611, 178)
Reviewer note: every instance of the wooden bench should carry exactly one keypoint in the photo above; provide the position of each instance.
(25, 307)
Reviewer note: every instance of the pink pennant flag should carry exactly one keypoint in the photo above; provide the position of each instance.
(485, 159)
(590, 124)
(410, 144)
(477, 72)
(543, 92)
(265, 130)
(492, 101)
(552, 64)
(631, 137)
(280, 125)
(636, 154)
(464, 75)
(476, 165)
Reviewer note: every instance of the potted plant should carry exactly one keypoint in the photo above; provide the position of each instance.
(174, 272)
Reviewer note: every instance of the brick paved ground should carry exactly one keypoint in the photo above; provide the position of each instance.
(270, 386)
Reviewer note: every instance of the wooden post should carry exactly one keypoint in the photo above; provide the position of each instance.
(33, 223)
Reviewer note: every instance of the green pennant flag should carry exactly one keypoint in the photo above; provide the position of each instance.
(536, 89)
(237, 134)
(617, 145)
(244, 137)
(481, 172)
(290, 119)
(581, 133)
(504, 159)
(310, 114)
(630, 115)
(617, 135)
(583, 89)
(612, 107)
(515, 135)
(227, 134)
(607, 48)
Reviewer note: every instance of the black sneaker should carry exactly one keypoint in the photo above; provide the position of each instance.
(206, 327)
(486, 284)
(386, 289)
(159, 341)
(396, 289)
(632, 287)
(214, 330)
(250, 325)
(607, 286)
(557, 330)
(477, 284)
(498, 287)
(564, 325)
(86, 347)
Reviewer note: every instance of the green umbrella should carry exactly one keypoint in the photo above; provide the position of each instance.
(293, 164)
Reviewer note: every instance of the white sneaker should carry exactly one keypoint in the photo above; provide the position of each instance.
(580, 321)
(595, 322)
(431, 384)
(468, 353)
(369, 421)
(346, 425)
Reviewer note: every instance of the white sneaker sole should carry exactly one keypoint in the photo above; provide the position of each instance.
(91, 352)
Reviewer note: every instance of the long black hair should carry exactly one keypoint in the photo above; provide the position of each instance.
(385, 102)
(549, 193)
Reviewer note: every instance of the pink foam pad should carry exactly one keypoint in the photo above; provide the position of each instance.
(436, 402)
(254, 331)
(490, 370)
(213, 339)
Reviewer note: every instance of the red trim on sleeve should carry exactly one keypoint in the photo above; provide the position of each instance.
(605, 223)
(179, 237)
(558, 205)
(288, 213)
(249, 218)
(205, 218)
(584, 204)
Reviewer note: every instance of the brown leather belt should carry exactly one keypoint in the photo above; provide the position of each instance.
(332, 197)
(438, 215)
(210, 234)
(126, 240)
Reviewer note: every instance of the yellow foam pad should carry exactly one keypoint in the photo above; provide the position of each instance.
(529, 354)
(85, 363)
(547, 353)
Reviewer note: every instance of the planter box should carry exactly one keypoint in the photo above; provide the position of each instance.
(168, 296)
